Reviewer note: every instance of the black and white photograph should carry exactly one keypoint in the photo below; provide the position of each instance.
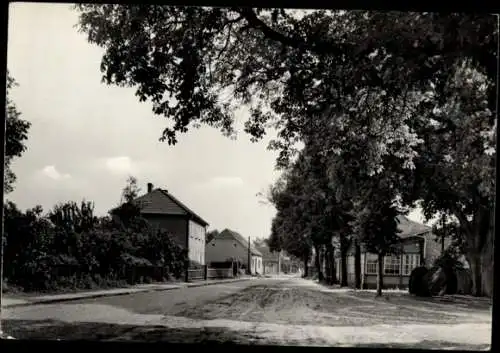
(252, 176)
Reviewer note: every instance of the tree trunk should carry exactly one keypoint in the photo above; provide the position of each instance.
(480, 253)
(328, 265)
(487, 258)
(344, 248)
(306, 266)
(334, 269)
(475, 264)
(380, 274)
(479, 244)
(330, 261)
(357, 265)
(317, 258)
(343, 267)
(321, 273)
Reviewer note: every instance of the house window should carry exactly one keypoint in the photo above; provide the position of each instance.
(410, 262)
(371, 264)
(392, 265)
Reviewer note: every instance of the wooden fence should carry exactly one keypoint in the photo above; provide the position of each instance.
(205, 273)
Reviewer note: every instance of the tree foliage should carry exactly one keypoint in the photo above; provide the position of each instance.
(195, 64)
(211, 235)
(309, 214)
(406, 98)
(70, 246)
(16, 134)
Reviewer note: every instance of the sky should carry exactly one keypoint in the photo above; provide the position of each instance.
(87, 138)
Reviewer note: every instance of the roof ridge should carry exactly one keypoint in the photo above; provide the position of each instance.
(180, 204)
(240, 239)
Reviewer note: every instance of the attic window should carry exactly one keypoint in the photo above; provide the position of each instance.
(213, 244)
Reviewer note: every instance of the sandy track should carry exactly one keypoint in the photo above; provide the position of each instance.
(296, 312)
(295, 302)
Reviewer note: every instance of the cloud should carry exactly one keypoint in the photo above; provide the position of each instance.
(226, 181)
(119, 165)
(51, 172)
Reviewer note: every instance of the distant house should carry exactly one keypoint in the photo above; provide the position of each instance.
(270, 260)
(229, 245)
(419, 247)
(163, 210)
(273, 260)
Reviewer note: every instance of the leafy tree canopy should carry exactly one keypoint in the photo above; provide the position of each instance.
(195, 64)
(16, 134)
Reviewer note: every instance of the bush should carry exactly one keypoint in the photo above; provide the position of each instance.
(417, 284)
(69, 248)
(447, 276)
(441, 280)
(450, 276)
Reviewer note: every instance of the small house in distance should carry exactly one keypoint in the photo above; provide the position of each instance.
(274, 260)
(271, 260)
(419, 248)
(229, 245)
(162, 210)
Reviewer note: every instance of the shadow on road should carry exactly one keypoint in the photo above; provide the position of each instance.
(52, 330)
(428, 345)
(454, 302)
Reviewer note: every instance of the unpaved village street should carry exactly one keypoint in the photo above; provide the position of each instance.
(287, 310)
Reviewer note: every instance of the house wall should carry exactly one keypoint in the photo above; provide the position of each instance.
(367, 280)
(176, 225)
(197, 235)
(256, 264)
(223, 249)
(390, 281)
(270, 268)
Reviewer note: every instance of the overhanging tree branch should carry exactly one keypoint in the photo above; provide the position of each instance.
(319, 47)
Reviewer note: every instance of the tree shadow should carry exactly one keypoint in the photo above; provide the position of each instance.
(90, 331)
(53, 330)
(451, 301)
(427, 344)
(454, 301)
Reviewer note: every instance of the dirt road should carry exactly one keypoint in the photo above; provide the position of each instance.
(268, 311)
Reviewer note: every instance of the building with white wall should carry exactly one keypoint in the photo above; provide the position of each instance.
(228, 246)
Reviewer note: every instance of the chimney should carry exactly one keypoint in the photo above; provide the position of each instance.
(150, 187)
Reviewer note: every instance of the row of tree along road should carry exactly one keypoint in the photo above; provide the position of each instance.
(392, 109)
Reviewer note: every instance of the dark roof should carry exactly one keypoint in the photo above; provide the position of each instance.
(410, 228)
(186, 209)
(239, 238)
(161, 202)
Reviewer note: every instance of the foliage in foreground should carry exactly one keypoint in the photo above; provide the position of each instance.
(68, 247)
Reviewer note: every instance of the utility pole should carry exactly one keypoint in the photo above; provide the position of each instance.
(249, 268)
